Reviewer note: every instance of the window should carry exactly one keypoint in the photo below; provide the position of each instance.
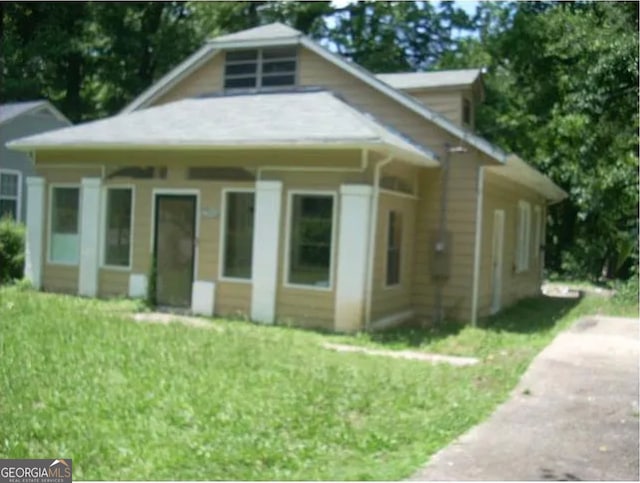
(311, 236)
(394, 244)
(65, 239)
(238, 234)
(524, 236)
(117, 241)
(537, 233)
(466, 111)
(10, 194)
(258, 68)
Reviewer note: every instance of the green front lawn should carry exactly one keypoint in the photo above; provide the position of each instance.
(79, 379)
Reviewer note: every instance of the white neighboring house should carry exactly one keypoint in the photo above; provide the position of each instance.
(19, 119)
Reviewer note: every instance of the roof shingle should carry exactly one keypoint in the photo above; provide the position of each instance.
(287, 119)
(442, 78)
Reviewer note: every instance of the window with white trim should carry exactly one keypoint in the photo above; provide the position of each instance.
(238, 234)
(394, 248)
(117, 233)
(311, 239)
(10, 194)
(260, 68)
(64, 239)
(537, 232)
(523, 247)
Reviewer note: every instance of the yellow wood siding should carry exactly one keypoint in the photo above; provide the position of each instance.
(503, 194)
(446, 102)
(207, 78)
(113, 283)
(316, 71)
(233, 299)
(388, 301)
(460, 224)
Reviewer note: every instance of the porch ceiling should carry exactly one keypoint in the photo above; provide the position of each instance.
(315, 120)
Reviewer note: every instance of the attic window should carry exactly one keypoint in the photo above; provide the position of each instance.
(260, 68)
(466, 111)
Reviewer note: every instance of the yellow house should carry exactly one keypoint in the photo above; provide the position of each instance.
(272, 179)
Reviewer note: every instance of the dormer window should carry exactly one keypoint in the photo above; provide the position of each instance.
(260, 68)
(466, 111)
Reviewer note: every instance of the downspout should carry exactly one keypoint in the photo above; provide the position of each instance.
(477, 248)
(373, 223)
(441, 242)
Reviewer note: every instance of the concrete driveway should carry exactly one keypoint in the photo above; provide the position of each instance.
(573, 416)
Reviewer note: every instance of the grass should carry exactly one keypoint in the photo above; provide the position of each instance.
(134, 401)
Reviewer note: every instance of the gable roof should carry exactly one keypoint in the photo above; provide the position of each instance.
(424, 80)
(13, 110)
(279, 34)
(272, 31)
(315, 118)
(275, 32)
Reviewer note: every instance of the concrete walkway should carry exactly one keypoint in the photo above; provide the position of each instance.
(410, 355)
(573, 416)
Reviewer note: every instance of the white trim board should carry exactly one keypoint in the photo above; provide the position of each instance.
(477, 249)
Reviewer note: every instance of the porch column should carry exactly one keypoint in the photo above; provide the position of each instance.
(353, 252)
(35, 231)
(89, 236)
(266, 238)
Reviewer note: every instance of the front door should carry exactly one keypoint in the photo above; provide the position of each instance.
(175, 249)
(496, 260)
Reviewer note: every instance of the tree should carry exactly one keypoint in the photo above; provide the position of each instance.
(396, 36)
(570, 106)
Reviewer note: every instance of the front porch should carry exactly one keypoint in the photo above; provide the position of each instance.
(243, 253)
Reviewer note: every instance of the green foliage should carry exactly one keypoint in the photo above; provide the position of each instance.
(570, 106)
(125, 400)
(396, 36)
(12, 235)
(627, 292)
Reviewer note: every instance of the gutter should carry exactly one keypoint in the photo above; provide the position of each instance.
(477, 247)
(372, 235)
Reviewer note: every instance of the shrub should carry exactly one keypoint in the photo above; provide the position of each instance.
(627, 291)
(12, 236)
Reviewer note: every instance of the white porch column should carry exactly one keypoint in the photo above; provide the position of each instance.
(89, 236)
(353, 251)
(266, 238)
(35, 231)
